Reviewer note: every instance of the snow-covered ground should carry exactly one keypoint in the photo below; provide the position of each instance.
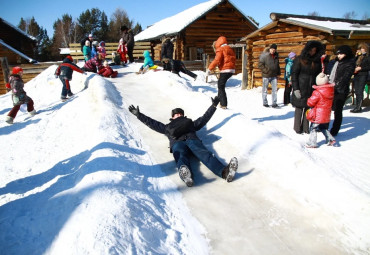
(86, 177)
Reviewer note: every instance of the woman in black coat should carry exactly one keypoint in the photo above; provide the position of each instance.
(304, 71)
(341, 75)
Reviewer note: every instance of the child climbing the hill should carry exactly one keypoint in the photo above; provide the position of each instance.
(320, 102)
(64, 72)
(107, 71)
(148, 63)
(19, 96)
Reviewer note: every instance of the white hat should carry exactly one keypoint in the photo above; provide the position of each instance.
(90, 36)
(322, 79)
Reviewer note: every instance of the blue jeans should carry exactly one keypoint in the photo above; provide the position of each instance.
(182, 150)
(314, 128)
(265, 84)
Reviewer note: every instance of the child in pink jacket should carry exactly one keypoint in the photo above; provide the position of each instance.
(320, 102)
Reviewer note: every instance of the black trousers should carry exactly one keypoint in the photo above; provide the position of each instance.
(338, 103)
(287, 92)
(221, 87)
(130, 50)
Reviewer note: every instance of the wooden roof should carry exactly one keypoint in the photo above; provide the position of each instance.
(177, 23)
(333, 26)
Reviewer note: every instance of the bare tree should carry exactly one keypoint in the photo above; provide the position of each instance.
(314, 13)
(350, 15)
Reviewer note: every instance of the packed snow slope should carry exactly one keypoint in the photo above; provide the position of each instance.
(86, 177)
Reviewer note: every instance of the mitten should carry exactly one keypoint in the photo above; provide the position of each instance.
(215, 101)
(133, 110)
(297, 94)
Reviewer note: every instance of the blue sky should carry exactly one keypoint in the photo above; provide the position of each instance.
(146, 12)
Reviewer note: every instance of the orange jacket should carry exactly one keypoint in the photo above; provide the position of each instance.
(225, 56)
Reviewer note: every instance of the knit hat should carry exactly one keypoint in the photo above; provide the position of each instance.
(95, 43)
(70, 57)
(291, 55)
(123, 28)
(177, 110)
(273, 46)
(345, 49)
(90, 36)
(322, 79)
(16, 70)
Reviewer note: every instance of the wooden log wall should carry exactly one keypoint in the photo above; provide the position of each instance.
(289, 38)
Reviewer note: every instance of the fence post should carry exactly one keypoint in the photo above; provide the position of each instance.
(244, 69)
(5, 68)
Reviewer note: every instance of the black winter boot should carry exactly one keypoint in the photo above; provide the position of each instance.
(357, 109)
(229, 171)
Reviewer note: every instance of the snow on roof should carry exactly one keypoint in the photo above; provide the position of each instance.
(178, 22)
(333, 25)
(19, 30)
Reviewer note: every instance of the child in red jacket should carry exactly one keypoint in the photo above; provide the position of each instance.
(320, 102)
(107, 71)
(122, 51)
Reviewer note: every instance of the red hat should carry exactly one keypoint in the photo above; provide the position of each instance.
(69, 57)
(16, 70)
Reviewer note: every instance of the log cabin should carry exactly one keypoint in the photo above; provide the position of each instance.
(291, 32)
(16, 48)
(194, 30)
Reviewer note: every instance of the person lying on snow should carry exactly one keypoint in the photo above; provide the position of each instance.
(177, 66)
(181, 132)
(107, 71)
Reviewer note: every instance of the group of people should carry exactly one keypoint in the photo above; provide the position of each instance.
(314, 102)
(311, 88)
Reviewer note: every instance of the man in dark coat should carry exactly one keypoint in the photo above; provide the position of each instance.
(181, 132)
(65, 71)
(128, 37)
(167, 49)
(304, 71)
(341, 75)
(269, 65)
(176, 66)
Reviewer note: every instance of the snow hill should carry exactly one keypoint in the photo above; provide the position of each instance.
(86, 177)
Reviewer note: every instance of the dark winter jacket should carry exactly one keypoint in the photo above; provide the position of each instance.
(269, 64)
(128, 37)
(167, 49)
(364, 64)
(66, 69)
(19, 96)
(188, 133)
(321, 102)
(304, 71)
(343, 75)
(174, 66)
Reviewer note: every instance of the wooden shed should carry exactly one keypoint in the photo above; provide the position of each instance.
(291, 32)
(16, 48)
(195, 29)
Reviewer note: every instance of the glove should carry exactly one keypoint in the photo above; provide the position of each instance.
(215, 101)
(208, 72)
(133, 110)
(297, 94)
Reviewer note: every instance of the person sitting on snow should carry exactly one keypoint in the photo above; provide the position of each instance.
(148, 63)
(107, 71)
(94, 64)
(176, 66)
(64, 72)
(181, 132)
(19, 96)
